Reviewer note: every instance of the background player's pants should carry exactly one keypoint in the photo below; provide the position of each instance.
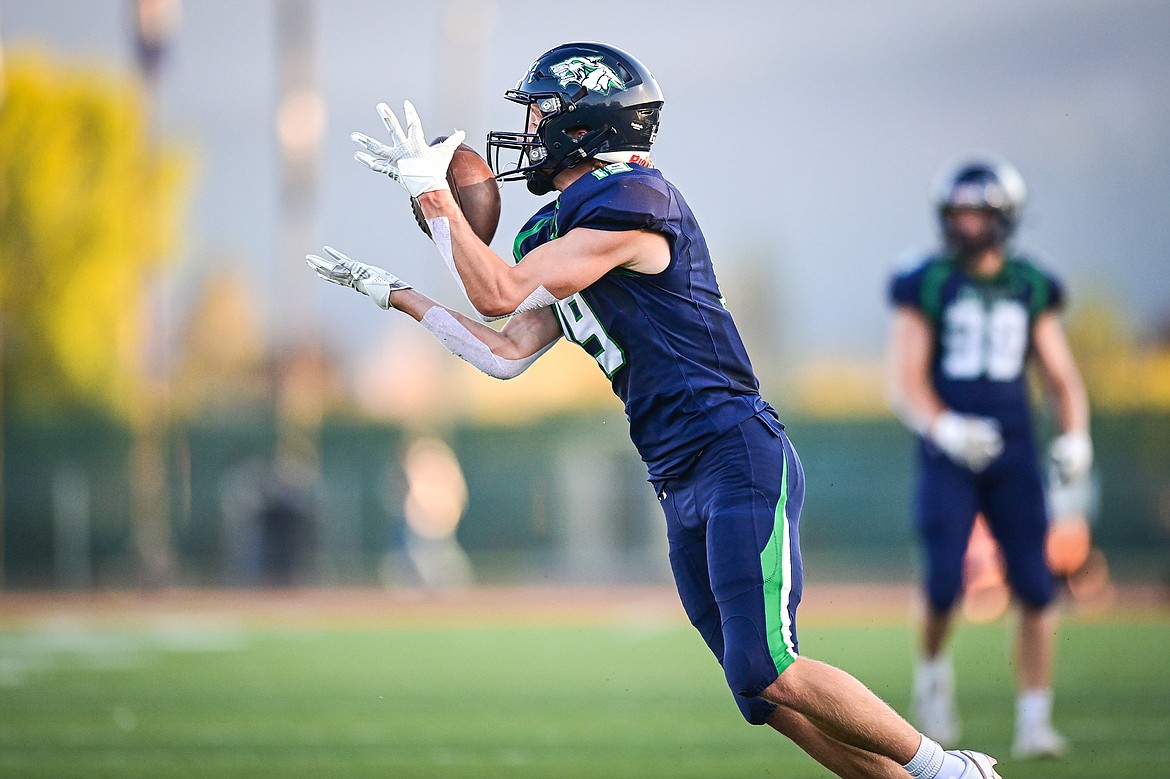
(733, 526)
(1010, 493)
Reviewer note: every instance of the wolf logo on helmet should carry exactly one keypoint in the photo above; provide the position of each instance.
(590, 72)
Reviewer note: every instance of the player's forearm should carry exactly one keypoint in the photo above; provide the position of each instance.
(417, 305)
(1060, 370)
(909, 389)
(1072, 403)
(916, 404)
(495, 353)
(486, 278)
(411, 302)
(1068, 390)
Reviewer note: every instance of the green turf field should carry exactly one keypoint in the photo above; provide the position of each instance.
(213, 700)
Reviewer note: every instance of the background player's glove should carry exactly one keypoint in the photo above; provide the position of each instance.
(1071, 455)
(970, 441)
(409, 160)
(366, 279)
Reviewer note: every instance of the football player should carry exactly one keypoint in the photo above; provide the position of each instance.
(966, 321)
(617, 264)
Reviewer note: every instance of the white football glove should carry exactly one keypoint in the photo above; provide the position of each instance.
(409, 160)
(970, 441)
(1071, 455)
(366, 279)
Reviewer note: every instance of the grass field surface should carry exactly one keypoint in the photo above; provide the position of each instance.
(239, 692)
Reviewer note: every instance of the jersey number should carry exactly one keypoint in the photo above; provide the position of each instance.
(981, 341)
(582, 327)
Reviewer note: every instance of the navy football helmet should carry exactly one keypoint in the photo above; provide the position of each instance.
(984, 184)
(574, 87)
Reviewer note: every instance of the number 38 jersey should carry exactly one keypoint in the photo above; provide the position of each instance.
(665, 341)
(982, 332)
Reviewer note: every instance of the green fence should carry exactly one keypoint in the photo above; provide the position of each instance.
(556, 500)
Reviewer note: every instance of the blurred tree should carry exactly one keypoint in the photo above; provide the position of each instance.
(1120, 372)
(222, 360)
(88, 207)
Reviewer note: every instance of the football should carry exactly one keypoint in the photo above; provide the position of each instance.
(475, 190)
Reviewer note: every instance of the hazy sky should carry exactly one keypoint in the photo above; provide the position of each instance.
(804, 135)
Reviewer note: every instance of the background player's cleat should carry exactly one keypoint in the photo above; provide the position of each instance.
(979, 765)
(1038, 741)
(933, 701)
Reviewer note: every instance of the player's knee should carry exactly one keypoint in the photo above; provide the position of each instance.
(756, 711)
(1034, 592)
(749, 668)
(943, 588)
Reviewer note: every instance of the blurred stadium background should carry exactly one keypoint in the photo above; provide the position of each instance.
(184, 407)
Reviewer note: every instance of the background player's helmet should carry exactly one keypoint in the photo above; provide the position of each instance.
(988, 184)
(579, 85)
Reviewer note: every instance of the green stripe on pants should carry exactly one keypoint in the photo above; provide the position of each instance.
(775, 564)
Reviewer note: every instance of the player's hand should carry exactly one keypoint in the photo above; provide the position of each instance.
(366, 279)
(970, 441)
(408, 159)
(1071, 455)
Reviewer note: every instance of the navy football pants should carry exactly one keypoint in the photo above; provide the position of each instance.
(1010, 493)
(733, 528)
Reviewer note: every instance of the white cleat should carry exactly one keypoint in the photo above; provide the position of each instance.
(979, 765)
(1038, 741)
(932, 707)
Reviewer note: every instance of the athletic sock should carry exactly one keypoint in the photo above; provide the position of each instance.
(1033, 707)
(931, 762)
(934, 667)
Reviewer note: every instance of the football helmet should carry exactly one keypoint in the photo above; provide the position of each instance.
(985, 184)
(574, 87)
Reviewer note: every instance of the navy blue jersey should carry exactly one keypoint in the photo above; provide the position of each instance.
(982, 332)
(664, 340)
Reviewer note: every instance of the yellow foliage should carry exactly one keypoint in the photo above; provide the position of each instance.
(838, 388)
(1119, 374)
(222, 361)
(563, 380)
(88, 206)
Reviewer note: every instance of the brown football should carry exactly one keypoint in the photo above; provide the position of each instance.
(475, 190)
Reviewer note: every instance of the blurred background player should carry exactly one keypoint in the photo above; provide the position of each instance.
(966, 321)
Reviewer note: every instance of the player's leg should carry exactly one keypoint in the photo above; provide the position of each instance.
(945, 507)
(752, 496)
(848, 716)
(846, 761)
(844, 709)
(752, 546)
(1017, 517)
(687, 539)
(859, 734)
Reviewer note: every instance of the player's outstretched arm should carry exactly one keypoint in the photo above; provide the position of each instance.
(503, 354)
